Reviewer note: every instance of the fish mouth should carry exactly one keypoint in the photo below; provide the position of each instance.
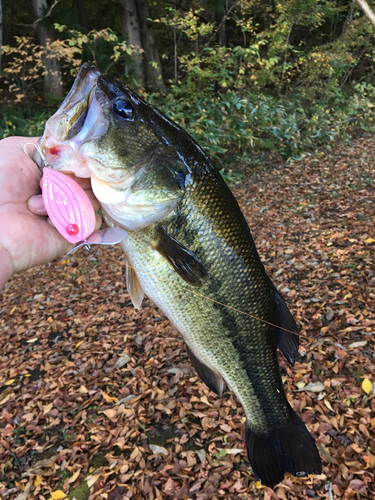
(70, 117)
(71, 144)
(80, 118)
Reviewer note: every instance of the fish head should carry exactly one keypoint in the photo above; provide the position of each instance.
(106, 132)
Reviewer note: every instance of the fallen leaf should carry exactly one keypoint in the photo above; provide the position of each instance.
(123, 361)
(91, 480)
(42, 463)
(48, 408)
(38, 480)
(313, 387)
(6, 399)
(109, 399)
(26, 492)
(55, 495)
(360, 343)
(158, 449)
(330, 315)
(74, 477)
(232, 451)
(175, 370)
(366, 385)
(110, 413)
(10, 382)
(370, 459)
(324, 451)
(201, 455)
(328, 405)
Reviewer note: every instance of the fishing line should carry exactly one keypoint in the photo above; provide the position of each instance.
(212, 300)
(198, 295)
(38, 148)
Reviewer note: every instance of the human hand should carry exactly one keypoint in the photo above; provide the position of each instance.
(27, 237)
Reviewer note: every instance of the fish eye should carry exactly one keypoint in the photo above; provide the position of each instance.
(123, 109)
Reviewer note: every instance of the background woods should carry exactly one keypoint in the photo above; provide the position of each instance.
(276, 78)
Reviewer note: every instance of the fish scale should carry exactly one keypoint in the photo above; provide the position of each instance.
(207, 326)
(190, 250)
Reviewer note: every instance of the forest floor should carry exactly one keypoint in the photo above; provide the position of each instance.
(99, 400)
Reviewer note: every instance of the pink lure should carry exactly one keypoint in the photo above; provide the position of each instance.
(68, 206)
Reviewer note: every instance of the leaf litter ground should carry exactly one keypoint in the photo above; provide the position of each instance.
(99, 400)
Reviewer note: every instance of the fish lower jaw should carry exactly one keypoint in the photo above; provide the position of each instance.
(63, 157)
(134, 217)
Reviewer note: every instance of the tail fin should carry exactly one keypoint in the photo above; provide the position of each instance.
(288, 449)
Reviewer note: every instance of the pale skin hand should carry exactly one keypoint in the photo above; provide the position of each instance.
(27, 238)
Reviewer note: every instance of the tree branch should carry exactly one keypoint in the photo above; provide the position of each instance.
(47, 15)
(369, 13)
(218, 28)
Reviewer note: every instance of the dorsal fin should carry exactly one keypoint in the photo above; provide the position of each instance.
(183, 261)
(212, 379)
(134, 287)
(286, 341)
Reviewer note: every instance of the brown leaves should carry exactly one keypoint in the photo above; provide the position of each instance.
(98, 395)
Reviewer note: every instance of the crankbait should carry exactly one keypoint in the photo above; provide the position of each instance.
(71, 211)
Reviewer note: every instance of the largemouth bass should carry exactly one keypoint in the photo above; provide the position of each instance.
(190, 250)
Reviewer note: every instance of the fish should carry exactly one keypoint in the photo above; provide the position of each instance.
(190, 249)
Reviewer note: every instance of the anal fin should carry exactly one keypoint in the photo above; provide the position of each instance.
(287, 339)
(212, 379)
(134, 287)
(183, 261)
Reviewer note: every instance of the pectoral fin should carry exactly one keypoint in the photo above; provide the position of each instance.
(134, 287)
(183, 261)
(286, 340)
(212, 379)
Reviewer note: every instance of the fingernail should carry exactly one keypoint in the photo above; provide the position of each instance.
(36, 205)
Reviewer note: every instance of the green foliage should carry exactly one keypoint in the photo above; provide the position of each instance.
(17, 121)
(24, 65)
(233, 128)
(103, 47)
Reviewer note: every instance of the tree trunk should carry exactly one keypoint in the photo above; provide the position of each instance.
(221, 31)
(130, 29)
(44, 34)
(1, 31)
(151, 59)
(369, 13)
(80, 4)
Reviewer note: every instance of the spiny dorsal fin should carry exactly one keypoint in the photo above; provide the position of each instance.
(286, 341)
(183, 261)
(213, 380)
(134, 287)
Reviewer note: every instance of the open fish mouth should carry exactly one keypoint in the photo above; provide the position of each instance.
(69, 119)
(80, 118)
